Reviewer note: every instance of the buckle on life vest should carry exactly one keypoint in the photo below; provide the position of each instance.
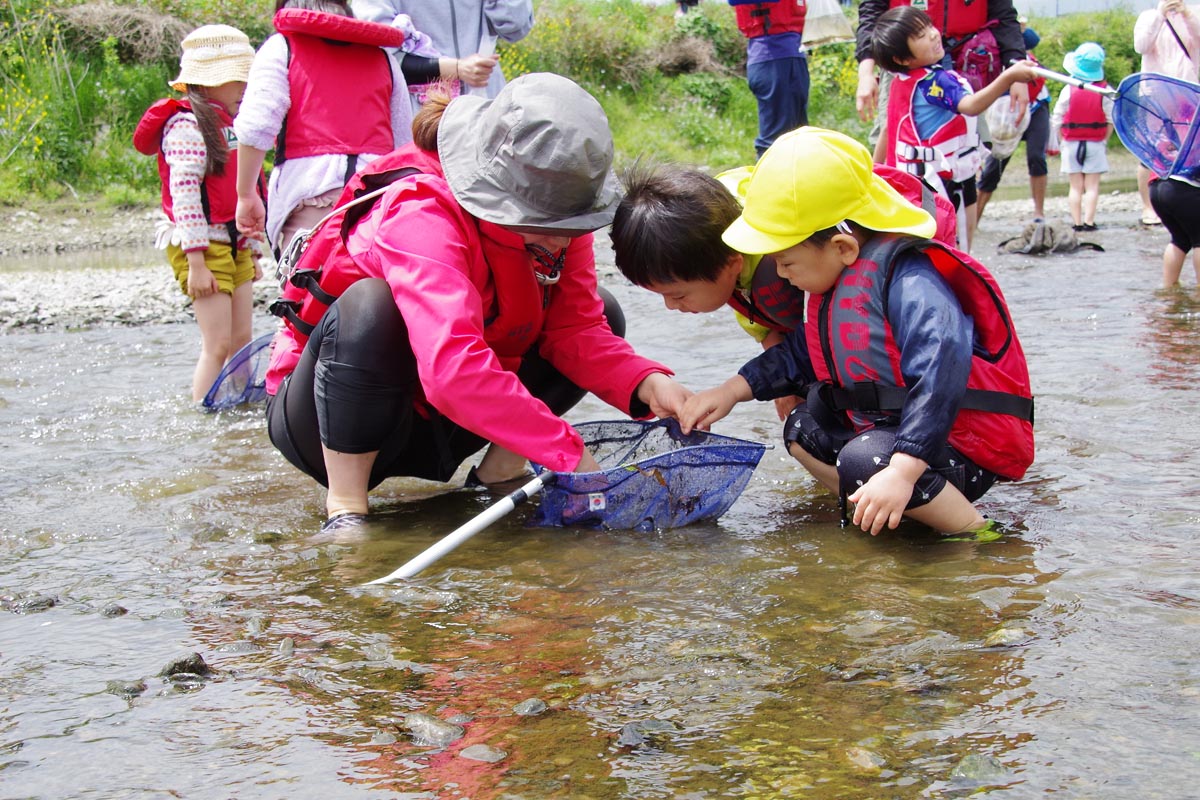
(290, 310)
(310, 281)
(285, 267)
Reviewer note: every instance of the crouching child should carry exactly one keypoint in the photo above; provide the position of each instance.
(918, 394)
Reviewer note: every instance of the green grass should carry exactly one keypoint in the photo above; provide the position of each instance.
(74, 83)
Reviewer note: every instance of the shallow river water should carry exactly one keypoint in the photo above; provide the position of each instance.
(768, 654)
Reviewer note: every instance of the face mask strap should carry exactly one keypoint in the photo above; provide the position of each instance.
(844, 227)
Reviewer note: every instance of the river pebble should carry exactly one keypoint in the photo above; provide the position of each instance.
(190, 664)
(483, 752)
(425, 729)
(530, 708)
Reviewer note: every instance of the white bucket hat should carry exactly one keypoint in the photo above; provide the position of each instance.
(214, 55)
(537, 156)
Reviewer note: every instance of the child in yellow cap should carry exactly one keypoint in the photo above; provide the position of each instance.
(918, 394)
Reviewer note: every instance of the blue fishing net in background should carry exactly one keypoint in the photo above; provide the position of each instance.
(243, 380)
(653, 477)
(1156, 118)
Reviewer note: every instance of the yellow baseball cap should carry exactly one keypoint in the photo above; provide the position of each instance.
(811, 179)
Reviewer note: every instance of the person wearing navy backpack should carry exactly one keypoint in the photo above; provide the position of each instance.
(776, 64)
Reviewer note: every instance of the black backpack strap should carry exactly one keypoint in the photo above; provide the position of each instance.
(290, 311)
(869, 397)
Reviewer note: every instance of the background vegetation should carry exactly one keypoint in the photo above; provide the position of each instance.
(75, 78)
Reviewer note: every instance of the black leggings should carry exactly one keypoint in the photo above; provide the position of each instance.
(858, 456)
(354, 386)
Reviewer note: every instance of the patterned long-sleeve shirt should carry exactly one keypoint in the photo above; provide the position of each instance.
(185, 152)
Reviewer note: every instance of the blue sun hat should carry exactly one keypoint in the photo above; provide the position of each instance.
(1086, 62)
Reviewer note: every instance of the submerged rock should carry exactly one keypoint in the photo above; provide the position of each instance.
(126, 689)
(483, 752)
(425, 729)
(191, 664)
(112, 610)
(530, 708)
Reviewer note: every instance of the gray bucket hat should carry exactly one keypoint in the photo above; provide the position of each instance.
(537, 156)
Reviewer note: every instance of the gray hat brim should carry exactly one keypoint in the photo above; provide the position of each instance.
(506, 161)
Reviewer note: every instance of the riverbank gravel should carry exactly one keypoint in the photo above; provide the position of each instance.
(68, 266)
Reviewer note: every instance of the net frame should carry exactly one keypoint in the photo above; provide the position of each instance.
(243, 379)
(652, 477)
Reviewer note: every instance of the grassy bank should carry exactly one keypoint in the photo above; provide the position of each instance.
(75, 77)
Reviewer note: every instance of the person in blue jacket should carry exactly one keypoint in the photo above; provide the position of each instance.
(918, 395)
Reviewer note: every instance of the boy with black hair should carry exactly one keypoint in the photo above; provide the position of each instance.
(931, 111)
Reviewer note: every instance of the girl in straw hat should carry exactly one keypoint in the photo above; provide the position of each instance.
(197, 162)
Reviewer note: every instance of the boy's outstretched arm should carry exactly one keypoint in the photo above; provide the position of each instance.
(975, 104)
(704, 408)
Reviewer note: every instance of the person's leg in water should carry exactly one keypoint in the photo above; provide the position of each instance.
(989, 181)
(1091, 197)
(1149, 215)
(214, 315)
(942, 497)
(1037, 137)
(1075, 197)
(350, 396)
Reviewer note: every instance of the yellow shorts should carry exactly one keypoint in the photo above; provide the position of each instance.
(230, 267)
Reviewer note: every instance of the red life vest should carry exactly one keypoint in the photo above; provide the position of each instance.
(340, 84)
(1084, 120)
(951, 151)
(218, 192)
(954, 18)
(851, 346)
(514, 300)
(770, 17)
(775, 304)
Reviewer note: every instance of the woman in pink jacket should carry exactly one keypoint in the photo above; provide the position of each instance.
(467, 310)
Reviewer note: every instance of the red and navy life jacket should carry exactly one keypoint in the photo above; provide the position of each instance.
(1084, 120)
(954, 18)
(326, 268)
(951, 151)
(768, 17)
(775, 304)
(852, 350)
(218, 193)
(340, 84)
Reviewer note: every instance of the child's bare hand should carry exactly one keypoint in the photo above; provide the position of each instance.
(251, 215)
(201, 282)
(881, 500)
(705, 408)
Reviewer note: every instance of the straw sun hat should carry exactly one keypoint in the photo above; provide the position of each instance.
(214, 55)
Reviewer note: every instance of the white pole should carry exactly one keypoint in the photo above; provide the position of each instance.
(467, 530)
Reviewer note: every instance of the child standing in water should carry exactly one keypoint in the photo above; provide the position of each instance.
(1082, 120)
(197, 162)
(931, 112)
(917, 389)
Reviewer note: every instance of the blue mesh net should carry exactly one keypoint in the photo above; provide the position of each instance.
(653, 477)
(1156, 119)
(243, 380)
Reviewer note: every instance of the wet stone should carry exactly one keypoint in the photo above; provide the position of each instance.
(191, 664)
(127, 689)
(112, 610)
(31, 604)
(530, 708)
(483, 752)
(1007, 637)
(425, 729)
(980, 770)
